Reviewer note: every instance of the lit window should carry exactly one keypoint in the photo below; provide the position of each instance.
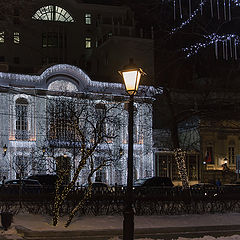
(2, 37)
(87, 42)
(16, 37)
(209, 155)
(21, 119)
(231, 155)
(52, 13)
(88, 18)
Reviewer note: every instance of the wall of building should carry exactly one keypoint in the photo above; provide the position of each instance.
(30, 148)
(105, 23)
(222, 137)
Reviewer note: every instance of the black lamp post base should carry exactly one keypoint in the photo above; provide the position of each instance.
(128, 224)
(6, 219)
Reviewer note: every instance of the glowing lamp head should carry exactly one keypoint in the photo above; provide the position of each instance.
(5, 149)
(43, 150)
(131, 76)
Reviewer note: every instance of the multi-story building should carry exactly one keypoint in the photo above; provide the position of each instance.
(97, 38)
(36, 137)
(211, 140)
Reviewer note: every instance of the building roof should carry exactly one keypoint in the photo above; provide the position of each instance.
(71, 74)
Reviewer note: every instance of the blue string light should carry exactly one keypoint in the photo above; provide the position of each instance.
(229, 42)
(214, 39)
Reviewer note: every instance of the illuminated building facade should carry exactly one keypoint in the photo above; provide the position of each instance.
(24, 125)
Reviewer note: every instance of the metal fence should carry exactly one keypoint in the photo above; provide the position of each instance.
(159, 201)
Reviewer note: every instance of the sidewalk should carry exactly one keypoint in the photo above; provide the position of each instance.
(37, 227)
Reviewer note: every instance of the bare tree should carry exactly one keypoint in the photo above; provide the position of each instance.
(84, 128)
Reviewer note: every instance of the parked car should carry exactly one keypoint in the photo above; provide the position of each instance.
(44, 179)
(204, 190)
(48, 181)
(98, 187)
(153, 187)
(27, 186)
(205, 186)
(154, 182)
(231, 188)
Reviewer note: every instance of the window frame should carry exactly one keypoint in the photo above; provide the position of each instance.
(2, 37)
(16, 37)
(88, 42)
(53, 13)
(21, 121)
(88, 18)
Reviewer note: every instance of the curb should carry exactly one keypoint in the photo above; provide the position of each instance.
(164, 233)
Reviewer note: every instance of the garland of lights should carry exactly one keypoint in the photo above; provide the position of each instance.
(228, 44)
(195, 13)
(180, 157)
(226, 5)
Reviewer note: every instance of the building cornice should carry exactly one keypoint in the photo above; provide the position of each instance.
(40, 83)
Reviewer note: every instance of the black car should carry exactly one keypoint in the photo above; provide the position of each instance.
(44, 179)
(48, 181)
(25, 185)
(153, 187)
(154, 182)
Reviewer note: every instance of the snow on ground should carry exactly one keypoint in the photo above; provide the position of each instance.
(44, 222)
(234, 237)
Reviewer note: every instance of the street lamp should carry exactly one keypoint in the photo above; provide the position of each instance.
(131, 76)
(43, 150)
(4, 150)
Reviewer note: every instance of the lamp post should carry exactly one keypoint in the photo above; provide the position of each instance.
(131, 76)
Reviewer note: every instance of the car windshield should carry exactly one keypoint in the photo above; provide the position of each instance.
(96, 185)
(25, 182)
(139, 182)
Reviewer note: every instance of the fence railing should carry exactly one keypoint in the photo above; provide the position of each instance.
(118, 193)
(109, 201)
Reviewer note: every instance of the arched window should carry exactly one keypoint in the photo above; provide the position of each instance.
(52, 13)
(62, 86)
(21, 119)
